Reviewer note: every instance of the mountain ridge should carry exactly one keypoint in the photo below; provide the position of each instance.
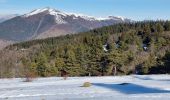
(53, 11)
(48, 22)
(7, 17)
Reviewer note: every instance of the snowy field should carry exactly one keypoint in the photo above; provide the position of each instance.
(151, 87)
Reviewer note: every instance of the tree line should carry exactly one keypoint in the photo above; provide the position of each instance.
(121, 49)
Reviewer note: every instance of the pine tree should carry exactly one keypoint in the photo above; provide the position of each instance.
(159, 28)
(167, 26)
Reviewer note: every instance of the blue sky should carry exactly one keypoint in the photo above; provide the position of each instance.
(134, 9)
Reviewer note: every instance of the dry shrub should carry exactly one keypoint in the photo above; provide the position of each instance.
(87, 84)
(29, 77)
(64, 74)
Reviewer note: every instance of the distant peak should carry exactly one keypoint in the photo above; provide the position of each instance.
(117, 17)
(50, 9)
(46, 9)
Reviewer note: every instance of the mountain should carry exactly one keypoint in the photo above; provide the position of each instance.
(47, 22)
(7, 17)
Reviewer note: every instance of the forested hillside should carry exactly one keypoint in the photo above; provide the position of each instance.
(141, 47)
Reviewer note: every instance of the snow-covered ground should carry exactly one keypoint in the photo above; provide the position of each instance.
(151, 87)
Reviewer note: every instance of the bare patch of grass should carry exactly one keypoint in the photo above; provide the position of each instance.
(86, 84)
(29, 77)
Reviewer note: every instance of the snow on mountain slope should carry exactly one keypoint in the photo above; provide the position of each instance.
(134, 87)
(49, 10)
(60, 15)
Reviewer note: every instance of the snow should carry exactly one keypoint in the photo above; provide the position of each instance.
(92, 18)
(105, 47)
(61, 15)
(86, 17)
(37, 11)
(58, 15)
(122, 18)
(111, 17)
(134, 87)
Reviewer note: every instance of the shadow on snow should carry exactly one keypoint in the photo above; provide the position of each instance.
(147, 78)
(130, 88)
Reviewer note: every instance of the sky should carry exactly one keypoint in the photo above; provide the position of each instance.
(133, 9)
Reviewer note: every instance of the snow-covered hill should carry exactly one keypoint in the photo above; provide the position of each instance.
(153, 87)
